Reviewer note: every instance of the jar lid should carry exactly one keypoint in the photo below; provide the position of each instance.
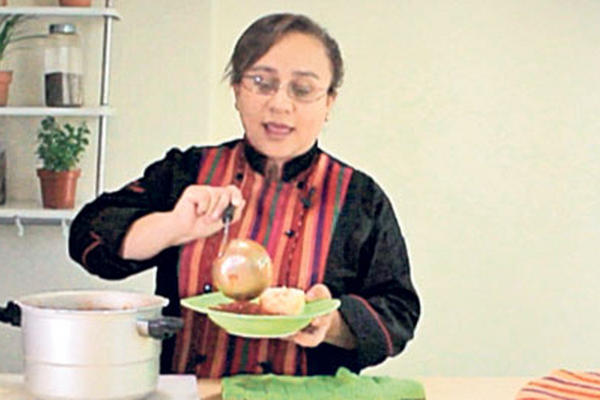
(62, 28)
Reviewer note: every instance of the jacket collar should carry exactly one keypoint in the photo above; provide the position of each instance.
(291, 169)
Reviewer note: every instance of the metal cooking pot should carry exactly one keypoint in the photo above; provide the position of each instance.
(91, 344)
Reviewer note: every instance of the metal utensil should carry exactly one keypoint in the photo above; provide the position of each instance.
(227, 217)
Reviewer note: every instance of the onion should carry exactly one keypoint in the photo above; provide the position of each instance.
(244, 270)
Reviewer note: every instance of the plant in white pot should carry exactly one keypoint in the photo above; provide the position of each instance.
(60, 149)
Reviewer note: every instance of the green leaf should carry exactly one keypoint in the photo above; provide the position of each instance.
(8, 25)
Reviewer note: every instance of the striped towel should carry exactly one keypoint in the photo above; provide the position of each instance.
(563, 385)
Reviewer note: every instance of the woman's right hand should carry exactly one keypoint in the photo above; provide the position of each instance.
(197, 214)
(199, 210)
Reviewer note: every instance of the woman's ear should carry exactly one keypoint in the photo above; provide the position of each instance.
(330, 101)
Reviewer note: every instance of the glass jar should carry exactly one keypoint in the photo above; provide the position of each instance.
(63, 67)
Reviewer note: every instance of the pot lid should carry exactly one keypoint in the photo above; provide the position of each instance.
(93, 301)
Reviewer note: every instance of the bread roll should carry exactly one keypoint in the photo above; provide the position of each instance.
(282, 301)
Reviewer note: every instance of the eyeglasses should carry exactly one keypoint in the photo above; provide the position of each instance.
(298, 89)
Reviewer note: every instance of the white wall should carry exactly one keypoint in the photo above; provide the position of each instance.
(480, 120)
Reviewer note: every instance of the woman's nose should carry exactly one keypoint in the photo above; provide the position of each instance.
(280, 101)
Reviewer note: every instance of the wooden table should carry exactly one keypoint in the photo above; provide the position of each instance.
(170, 387)
(209, 389)
(436, 388)
(472, 388)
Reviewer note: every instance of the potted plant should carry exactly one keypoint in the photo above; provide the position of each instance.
(60, 149)
(9, 33)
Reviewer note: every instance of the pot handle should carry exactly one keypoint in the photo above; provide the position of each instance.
(11, 314)
(161, 328)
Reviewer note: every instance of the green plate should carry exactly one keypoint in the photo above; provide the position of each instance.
(257, 326)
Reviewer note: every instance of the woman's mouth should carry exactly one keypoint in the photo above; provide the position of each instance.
(276, 130)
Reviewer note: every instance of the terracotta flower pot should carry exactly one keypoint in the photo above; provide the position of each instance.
(58, 188)
(3, 2)
(5, 80)
(75, 3)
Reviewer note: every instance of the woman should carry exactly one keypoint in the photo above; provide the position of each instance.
(329, 228)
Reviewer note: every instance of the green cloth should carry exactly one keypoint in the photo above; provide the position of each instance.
(345, 385)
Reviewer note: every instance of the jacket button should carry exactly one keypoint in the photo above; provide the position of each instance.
(200, 358)
(266, 367)
(207, 288)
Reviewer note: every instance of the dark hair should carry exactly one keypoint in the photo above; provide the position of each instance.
(259, 37)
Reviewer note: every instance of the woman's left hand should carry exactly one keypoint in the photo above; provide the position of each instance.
(316, 332)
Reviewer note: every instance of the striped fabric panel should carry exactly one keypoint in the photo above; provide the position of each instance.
(273, 209)
(285, 219)
(190, 279)
(298, 272)
(334, 190)
(225, 358)
(563, 385)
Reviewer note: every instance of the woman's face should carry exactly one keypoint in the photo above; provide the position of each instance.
(283, 100)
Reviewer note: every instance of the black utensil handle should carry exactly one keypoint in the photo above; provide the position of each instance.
(164, 328)
(11, 314)
(228, 213)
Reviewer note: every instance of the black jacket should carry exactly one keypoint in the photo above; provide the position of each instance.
(367, 265)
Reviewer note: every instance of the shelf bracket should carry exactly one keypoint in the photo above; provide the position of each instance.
(19, 225)
(65, 228)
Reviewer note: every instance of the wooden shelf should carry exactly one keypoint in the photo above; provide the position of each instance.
(62, 11)
(57, 111)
